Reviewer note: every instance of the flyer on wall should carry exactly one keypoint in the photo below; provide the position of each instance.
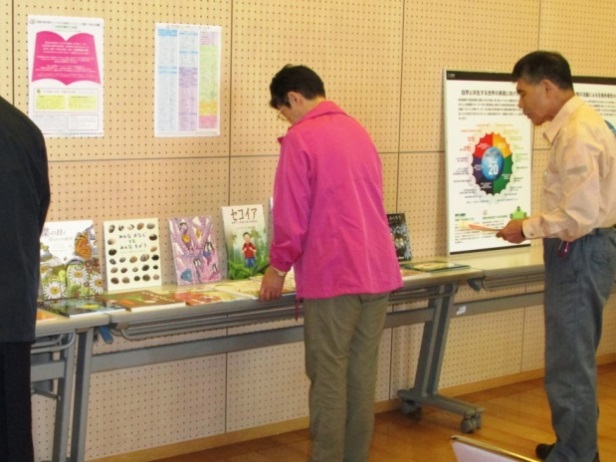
(65, 74)
(488, 148)
(187, 80)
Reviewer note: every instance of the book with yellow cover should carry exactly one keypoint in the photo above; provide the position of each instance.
(138, 300)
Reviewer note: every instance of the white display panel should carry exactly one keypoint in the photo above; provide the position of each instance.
(488, 147)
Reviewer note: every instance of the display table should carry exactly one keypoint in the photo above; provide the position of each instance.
(436, 292)
(53, 359)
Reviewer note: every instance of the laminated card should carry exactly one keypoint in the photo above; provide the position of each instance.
(132, 253)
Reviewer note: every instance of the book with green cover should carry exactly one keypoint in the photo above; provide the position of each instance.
(72, 307)
(245, 240)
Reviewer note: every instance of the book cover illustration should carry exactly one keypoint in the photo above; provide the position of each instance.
(408, 273)
(246, 287)
(70, 265)
(72, 307)
(289, 282)
(205, 296)
(430, 266)
(245, 240)
(132, 253)
(195, 256)
(45, 316)
(400, 235)
(141, 300)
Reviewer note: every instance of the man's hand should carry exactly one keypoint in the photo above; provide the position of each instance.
(271, 285)
(512, 232)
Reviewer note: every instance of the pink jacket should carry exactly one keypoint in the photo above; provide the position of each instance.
(329, 219)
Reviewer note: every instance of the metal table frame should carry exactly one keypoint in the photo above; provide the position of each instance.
(53, 360)
(437, 290)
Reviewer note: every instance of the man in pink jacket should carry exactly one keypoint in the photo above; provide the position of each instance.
(330, 225)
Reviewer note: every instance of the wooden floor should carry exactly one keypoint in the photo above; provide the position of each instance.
(516, 417)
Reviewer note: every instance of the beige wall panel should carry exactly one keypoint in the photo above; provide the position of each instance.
(43, 420)
(6, 50)
(128, 76)
(493, 350)
(390, 181)
(481, 35)
(265, 386)
(144, 407)
(141, 189)
(252, 180)
(354, 46)
(583, 31)
(533, 342)
(421, 195)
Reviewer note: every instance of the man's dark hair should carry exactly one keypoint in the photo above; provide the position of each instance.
(539, 65)
(300, 79)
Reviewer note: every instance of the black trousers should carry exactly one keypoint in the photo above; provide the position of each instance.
(15, 403)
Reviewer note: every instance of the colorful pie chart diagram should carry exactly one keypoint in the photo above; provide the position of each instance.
(492, 163)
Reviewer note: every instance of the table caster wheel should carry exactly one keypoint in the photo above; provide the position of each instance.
(468, 425)
(410, 407)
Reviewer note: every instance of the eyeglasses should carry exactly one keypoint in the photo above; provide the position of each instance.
(281, 116)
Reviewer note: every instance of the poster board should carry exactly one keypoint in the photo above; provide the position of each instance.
(488, 148)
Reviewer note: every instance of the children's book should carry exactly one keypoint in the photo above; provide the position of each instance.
(138, 300)
(205, 296)
(431, 266)
(45, 316)
(408, 273)
(289, 282)
(245, 287)
(246, 240)
(132, 253)
(195, 256)
(400, 235)
(73, 307)
(70, 266)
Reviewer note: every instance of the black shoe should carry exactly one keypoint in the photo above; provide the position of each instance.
(543, 450)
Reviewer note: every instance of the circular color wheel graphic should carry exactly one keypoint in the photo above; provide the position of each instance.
(492, 163)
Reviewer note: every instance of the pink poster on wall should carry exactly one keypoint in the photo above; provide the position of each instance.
(65, 58)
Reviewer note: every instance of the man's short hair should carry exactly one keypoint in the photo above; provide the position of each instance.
(300, 79)
(539, 65)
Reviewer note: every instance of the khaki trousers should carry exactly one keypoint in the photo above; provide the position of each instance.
(342, 337)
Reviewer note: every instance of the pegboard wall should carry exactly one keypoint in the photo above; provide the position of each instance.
(382, 61)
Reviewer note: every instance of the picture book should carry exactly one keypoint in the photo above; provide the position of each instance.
(205, 296)
(400, 235)
(45, 316)
(141, 300)
(132, 253)
(70, 265)
(72, 307)
(246, 287)
(431, 266)
(246, 240)
(289, 282)
(195, 256)
(408, 273)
